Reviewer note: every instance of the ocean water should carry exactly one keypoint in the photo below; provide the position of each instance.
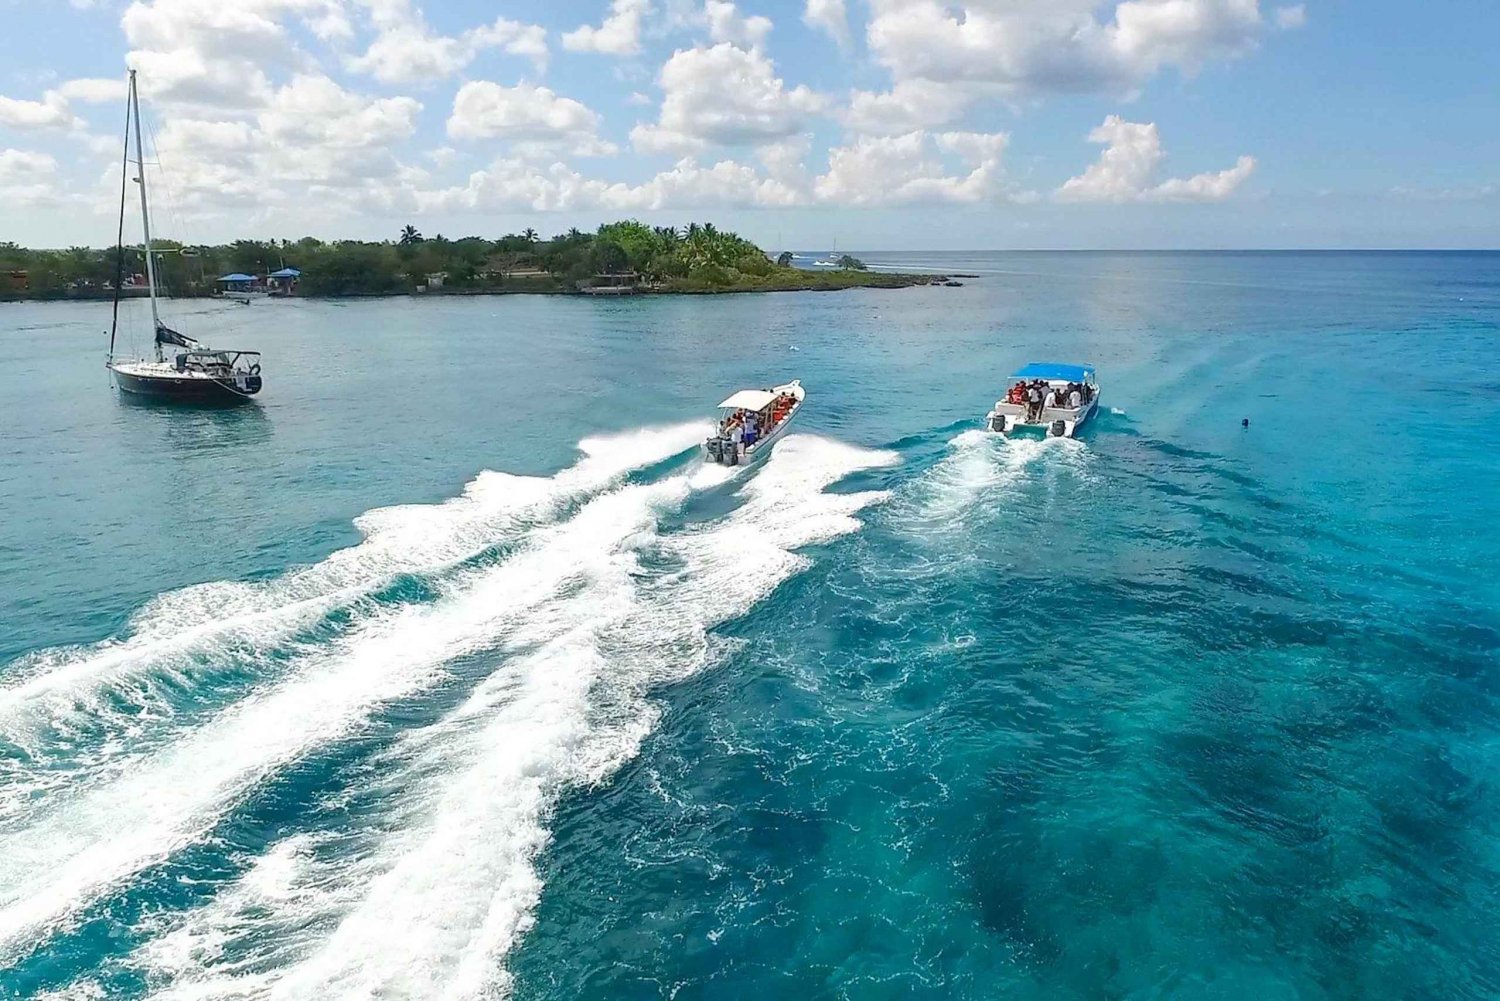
(447, 670)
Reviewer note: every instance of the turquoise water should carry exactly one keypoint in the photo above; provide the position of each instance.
(447, 671)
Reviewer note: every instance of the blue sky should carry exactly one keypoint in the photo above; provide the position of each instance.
(879, 124)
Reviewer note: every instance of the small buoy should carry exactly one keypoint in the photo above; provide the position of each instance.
(1245, 423)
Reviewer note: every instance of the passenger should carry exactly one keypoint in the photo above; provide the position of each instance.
(1033, 402)
(1075, 398)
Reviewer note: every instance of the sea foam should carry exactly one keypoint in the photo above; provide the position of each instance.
(75, 846)
(456, 890)
(114, 692)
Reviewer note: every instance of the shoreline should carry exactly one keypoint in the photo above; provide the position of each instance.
(820, 282)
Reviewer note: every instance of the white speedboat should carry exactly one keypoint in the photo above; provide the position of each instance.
(751, 420)
(1056, 398)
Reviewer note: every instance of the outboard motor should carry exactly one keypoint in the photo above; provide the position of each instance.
(1059, 428)
(715, 447)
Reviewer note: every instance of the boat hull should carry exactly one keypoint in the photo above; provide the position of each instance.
(185, 390)
(1053, 422)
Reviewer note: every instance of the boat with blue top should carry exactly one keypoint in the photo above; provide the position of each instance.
(1055, 397)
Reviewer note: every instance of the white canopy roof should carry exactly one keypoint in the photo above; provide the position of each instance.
(750, 399)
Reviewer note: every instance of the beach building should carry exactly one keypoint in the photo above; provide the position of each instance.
(236, 282)
(283, 282)
(625, 283)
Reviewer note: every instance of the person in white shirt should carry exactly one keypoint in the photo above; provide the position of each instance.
(1075, 399)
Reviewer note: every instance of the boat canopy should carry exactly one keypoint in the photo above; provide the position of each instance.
(749, 399)
(237, 277)
(286, 273)
(1055, 372)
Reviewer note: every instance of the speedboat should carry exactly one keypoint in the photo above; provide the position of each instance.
(1055, 397)
(750, 421)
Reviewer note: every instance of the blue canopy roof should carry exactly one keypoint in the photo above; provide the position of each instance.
(286, 273)
(237, 277)
(1054, 371)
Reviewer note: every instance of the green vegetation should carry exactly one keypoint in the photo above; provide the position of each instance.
(700, 258)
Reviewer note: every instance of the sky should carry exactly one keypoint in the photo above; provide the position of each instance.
(802, 124)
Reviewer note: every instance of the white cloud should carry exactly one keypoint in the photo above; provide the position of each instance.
(895, 170)
(830, 16)
(871, 171)
(315, 148)
(1013, 48)
(517, 184)
(94, 90)
(534, 116)
(618, 35)
(206, 53)
(725, 96)
(1288, 18)
(727, 24)
(909, 105)
(51, 112)
(408, 51)
(1128, 168)
(190, 135)
(313, 112)
(26, 177)
(1465, 193)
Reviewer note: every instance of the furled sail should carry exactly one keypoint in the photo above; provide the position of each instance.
(166, 335)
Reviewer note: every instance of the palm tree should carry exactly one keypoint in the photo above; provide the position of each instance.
(409, 235)
(529, 236)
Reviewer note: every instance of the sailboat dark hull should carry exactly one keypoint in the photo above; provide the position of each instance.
(185, 390)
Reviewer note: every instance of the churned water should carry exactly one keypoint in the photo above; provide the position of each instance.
(447, 670)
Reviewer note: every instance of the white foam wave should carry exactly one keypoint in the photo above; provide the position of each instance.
(76, 847)
(235, 622)
(980, 466)
(457, 890)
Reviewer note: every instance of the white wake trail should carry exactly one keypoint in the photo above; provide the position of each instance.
(236, 622)
(77, 847)
(457, 890)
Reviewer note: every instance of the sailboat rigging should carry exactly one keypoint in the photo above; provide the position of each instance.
(196, 372)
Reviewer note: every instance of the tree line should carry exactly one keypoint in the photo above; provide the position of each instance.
(699, 255)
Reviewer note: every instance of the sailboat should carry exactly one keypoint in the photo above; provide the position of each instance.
(195, 372)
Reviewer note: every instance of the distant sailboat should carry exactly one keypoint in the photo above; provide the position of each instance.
(195, 373)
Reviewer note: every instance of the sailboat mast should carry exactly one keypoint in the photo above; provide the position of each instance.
(114, 323)
(140, 160)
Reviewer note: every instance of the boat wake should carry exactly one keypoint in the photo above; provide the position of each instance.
(980, 467)
(565, 637)
(179, 648)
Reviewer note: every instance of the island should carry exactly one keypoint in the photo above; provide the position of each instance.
(619, 258)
